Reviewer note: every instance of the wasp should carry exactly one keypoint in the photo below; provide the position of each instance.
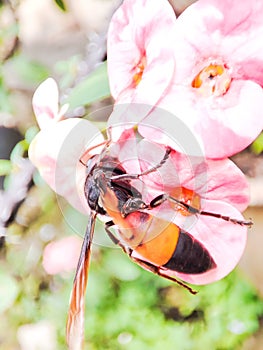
(156, 244)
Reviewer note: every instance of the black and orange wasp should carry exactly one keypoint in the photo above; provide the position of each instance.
(109, 192)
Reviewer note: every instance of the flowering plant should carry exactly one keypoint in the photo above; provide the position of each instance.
(148, 174)
(62, 152)
(161, 176)
(227, 194)
(215, 87)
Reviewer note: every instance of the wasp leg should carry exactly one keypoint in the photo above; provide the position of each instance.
(146, 172)
(158, 270)
(132, 205)
(192, 210)
(114, 239)
(146, 265)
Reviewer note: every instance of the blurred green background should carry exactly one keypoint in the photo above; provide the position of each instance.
(126, 307)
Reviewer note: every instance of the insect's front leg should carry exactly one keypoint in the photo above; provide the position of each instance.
(192, 210)
(132, 205)
(114, 239)
(161, 198)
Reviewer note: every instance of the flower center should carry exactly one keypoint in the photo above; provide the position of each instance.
(214, 79)
(138, 71)
(187, 196)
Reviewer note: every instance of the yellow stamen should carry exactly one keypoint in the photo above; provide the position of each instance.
(187, 196)
(214, 79)
(138, 71)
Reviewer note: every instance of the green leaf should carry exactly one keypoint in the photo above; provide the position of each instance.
(91, 89)
(257, 145)
(5, 167)
(28, 71)
(61, 5)
(67, 70)
(8, 291)
(31, 133)
(5, 102)
(19, 150)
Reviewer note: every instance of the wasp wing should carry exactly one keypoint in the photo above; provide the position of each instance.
(75, 322)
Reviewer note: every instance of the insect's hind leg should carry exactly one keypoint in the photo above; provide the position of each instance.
(146, 265)
(158, 270)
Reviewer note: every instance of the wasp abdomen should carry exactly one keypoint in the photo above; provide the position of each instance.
(190, 256)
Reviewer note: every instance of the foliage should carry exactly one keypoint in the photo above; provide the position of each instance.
(91, 89)
(61, 4)
(5, 167)
(257, 145)
(29, 71)
(126, 307)
(153, 314)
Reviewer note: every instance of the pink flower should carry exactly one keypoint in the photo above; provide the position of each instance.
(140, 56)
(62, 256)
(216, 89)
(58, 147)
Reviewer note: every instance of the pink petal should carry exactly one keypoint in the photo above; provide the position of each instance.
(125, 151)
(224, 240)
(171, 129)
(62, 256)
(139, 29)
(56, 152)
(221, 126)
(126, 116)
(210, 179)
(235, 123)
(45, 102)
(225, 182)
(226, 29)
(240, 26)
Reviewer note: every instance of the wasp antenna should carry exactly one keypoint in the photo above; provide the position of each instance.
(81, 161)
(159, 165)
(146, 172)
(250, 222)
(85, 156)
(228, 218)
